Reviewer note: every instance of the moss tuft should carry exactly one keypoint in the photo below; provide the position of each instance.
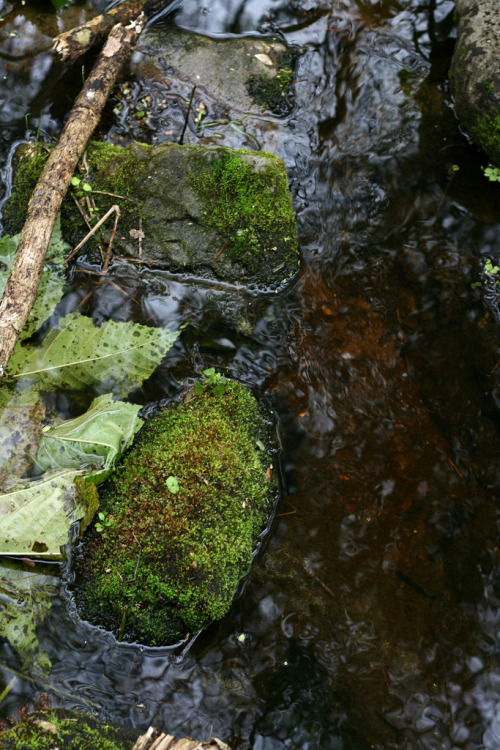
(253, 208)
(170, 563)
(67, 730)
(274, 93)
(486, 131)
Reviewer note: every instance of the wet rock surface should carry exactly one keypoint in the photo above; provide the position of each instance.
(219, 213)
(232, 91)
(475, 73)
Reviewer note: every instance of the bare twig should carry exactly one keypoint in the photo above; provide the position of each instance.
(113, 209)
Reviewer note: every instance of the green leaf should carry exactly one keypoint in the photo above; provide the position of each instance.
(35, 518)
(86, 187)
(94, 441)
(26, 595)
(173, 485)
(50, 289)
(116, 357)
(75, 181)
(198, 388)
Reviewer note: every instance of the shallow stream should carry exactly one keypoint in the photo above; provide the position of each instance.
(371, 616)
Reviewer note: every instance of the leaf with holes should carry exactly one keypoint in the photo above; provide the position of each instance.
(35, 518)
(114, 357)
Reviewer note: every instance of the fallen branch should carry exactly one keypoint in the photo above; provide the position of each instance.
(70, 45)
(22, 285)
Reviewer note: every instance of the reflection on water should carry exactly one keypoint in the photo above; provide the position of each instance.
(371, 616)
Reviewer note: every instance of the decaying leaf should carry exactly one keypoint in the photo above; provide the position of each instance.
(35, 518)
(115, 357)
(92, 442)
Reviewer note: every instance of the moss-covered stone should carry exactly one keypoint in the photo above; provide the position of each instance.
(68, 730)
(475, 73)
(218, 212)
(170, 562)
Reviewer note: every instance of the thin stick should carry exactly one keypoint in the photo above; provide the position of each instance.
(82, 212)
(22, 285)
(110, 246)
(181, 139)
(92, 231)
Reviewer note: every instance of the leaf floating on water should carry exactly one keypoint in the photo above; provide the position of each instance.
(95, 440)
(116, 357)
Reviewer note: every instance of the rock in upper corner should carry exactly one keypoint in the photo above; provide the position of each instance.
(210, 212)
(475, 73)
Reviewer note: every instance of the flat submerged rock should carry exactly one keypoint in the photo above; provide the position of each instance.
(214, 213)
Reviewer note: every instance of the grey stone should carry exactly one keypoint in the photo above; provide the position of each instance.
(475, 73)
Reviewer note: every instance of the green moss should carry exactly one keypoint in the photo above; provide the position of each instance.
(486, 131)
(27, 168)
(67, 730)
(274, 92)
(252, 208)
(170, 563)
(488, 87)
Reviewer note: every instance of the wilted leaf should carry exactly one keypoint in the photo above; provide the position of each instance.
(94, 441)
(116, 357)
(26, 596)
(35, 518)
(50, 289)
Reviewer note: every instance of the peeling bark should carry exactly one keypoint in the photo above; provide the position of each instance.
(72, 44)
(22, 285)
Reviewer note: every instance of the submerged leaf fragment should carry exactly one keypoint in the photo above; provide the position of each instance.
(26, 598)
(115, 357)
(50, 289)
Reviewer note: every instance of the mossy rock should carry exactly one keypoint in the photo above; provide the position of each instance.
(68, 730)
(219, 213)
(169, 562)
(62, 729)
(475, 73)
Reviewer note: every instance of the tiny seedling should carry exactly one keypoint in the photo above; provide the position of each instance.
(172, 485)
(490, 269)
(492, 173)
(103, 522)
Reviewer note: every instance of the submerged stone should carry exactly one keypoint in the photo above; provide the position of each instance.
(216, 213)
(181, 518)
(475, 73)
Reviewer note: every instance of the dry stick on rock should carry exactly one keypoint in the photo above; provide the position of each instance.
(70, 45)
(22, 285)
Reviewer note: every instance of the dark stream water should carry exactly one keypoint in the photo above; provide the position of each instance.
(372, 613)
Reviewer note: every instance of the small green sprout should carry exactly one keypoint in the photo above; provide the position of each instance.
(103, 522)
(173, 485)
(492, 173)
(490, 269)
